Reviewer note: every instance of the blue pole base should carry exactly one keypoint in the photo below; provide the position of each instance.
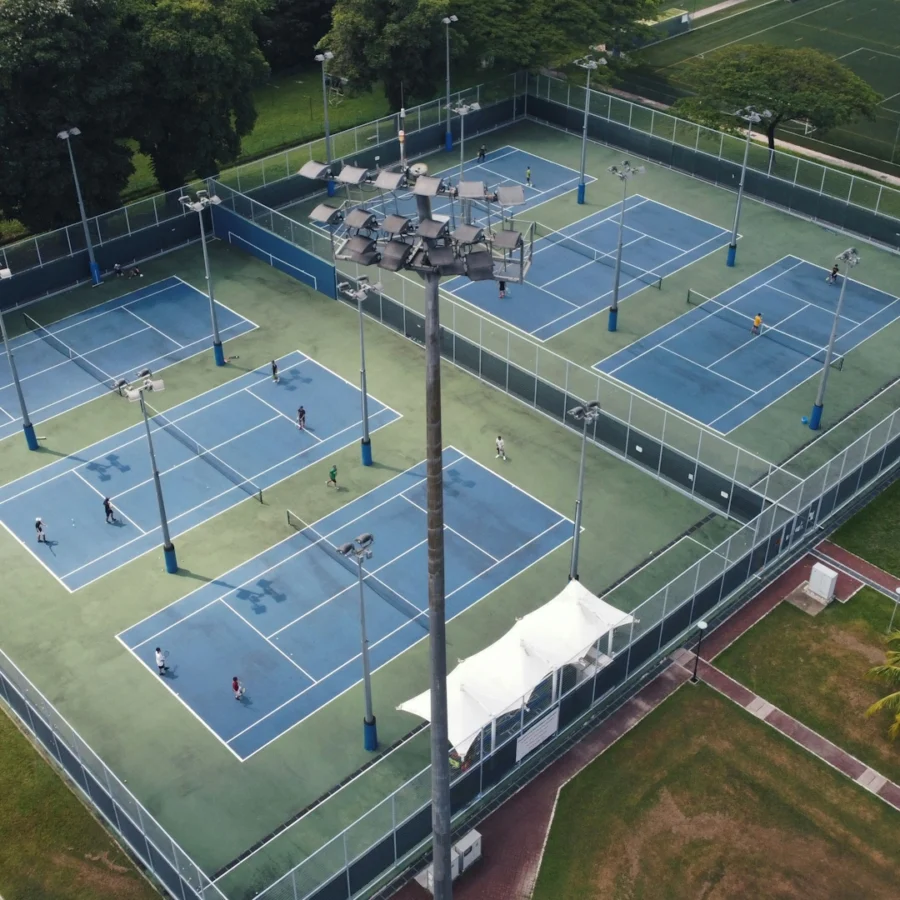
(30, 437)
(448, 140)
(613, 319)
(219, 353)
(95, 274)
(581, 189)
(171, 562)
(815, 420)
(332, 187)
(366, 444)
(732, 254)
(370, 735)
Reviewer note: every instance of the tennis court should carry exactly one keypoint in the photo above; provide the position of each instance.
(708, 365)
(81, 357)
(212, 452)
(287, 622)
(573, 270)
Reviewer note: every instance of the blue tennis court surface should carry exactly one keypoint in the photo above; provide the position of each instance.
(572, 272)
(287, 622)
(707, 364)
(153, 327)
(212, 451)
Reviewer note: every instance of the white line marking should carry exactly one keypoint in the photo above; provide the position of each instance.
(78, 475)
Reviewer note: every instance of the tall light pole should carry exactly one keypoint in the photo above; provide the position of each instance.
(27, 427)
(323, 58)
(462, 111)
(448, 136)
(701, 628)
(200, 205)
(136, 393)
(590, 64)
(751, 117)
(850, 259)
(586, 415)
(624, 172)
(358, 296)
(67, 136)
(359, 549)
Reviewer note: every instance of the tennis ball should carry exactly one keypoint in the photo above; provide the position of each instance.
(805, 421)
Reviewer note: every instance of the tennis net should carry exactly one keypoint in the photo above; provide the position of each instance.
(180, 435)
(401, 604)
(606, 259)
(65, 350)
(727, 314)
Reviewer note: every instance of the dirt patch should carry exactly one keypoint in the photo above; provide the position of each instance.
(101, 875)
(871, 653)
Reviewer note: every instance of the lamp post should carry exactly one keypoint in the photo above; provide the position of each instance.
(359, 550)
(850, 259)
(894, 610)
(27, 427)
(136, 394)
(323, 58)
(358, 296)
(751, 117)
(462, 111)
(67, 136)
(586, 415)
(701, 627)
(448, 136)
(590, 64)
(203, 201)
(623, 172)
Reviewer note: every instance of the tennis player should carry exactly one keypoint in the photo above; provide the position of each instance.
(39, 528)
(332, 478)
(528, 177)
(108, 509)
(161, 661)
(501, 285)
(501, 449)
(833, 276)
(482, 152)
(757, 324)
(274, 371)
(301, 418)
(237, 688)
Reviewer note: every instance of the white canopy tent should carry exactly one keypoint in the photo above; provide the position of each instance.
(501, 678)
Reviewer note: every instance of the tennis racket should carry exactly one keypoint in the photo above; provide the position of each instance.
(165, 654)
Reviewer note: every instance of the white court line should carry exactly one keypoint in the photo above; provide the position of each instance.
(810, 303)
(453, 531)
(131, 312)
(99, 494)
(11, 419)
(280, 413)
(641, 568)
(41, 562)
(693, 362)
(273, 646)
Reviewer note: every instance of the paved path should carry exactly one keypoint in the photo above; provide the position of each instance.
(856, 566)
(514, 835)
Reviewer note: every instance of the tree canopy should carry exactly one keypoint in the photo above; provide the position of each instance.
(800, 83)
(288, 30)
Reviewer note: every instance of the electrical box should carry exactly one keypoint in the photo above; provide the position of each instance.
(463, 854)
(822, 582)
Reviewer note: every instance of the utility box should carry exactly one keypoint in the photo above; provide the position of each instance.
(822, 583)
(464, 853)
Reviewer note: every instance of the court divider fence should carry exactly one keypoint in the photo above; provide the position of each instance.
(823, 194)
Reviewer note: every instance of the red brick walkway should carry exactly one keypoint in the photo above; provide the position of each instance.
(514, 835)
(890, 584)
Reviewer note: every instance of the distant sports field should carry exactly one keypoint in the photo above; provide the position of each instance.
(863, 36)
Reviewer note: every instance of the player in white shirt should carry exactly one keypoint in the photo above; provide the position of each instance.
(161, 661)
(501, 449)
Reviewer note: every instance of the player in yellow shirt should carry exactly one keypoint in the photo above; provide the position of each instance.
(757, 324)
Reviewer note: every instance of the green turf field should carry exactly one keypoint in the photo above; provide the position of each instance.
(863, 36)
(636, 528)
(703, 800)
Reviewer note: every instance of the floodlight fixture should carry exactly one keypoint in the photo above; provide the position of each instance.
(752, 117)
(326, 214)
(590, 64)
(66, 135)
(625, 171)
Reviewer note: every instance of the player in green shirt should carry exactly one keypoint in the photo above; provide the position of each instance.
(332, 478)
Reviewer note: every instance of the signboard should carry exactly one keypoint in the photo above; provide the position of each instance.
(535, 736)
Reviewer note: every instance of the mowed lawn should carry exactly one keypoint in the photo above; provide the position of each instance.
(703, 800)
(51, 848)
(874, 532)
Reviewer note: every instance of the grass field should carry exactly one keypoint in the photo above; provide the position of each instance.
(703, 800)
(51, 847)
(872, 533)
(862, 36)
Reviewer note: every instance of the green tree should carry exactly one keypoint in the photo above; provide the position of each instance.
(201, 61)
(791, 83)
(289, 30)
(889, 674)
(402, 43)
(65, 63)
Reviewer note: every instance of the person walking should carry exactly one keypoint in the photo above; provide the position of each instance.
(501, 449)
(501, 285)
(301, 418)
(39, 528)
(274, 371)
(332, 477)
(482, 153)
(757, 324)
(237, 688)
(833, 275)
(108, 509)
(161, 657)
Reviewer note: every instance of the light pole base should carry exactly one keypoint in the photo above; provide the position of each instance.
(613, 319)
(219, 353)
(171, 561)
(366, 445)
(331, 187)
(732, 254)
(581, 189)
(370, 735)
(95, 274)
(815, 420)
(30, 437)
(448, 141)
